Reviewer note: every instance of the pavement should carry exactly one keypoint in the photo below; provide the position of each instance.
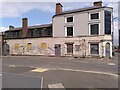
(40, 71)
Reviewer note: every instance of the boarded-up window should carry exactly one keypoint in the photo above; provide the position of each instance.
(29, 46)
(43, 45)
(16, 46)
(94, 48)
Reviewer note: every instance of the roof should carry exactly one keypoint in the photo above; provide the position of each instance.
(81, 10)
(32, 27)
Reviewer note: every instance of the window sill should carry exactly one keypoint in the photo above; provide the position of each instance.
(69, 36)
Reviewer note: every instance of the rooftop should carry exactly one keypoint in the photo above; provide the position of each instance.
(32, 27)
(81, 10)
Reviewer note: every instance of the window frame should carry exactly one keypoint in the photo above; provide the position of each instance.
(94, 13)
(105, 24)
(66, 31)
(69, 17)
(98, 29)
(98, 48)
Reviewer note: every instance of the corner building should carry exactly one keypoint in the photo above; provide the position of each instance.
(84, 32)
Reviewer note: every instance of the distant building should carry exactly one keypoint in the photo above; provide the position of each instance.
(119, 22)
(84, 32)
(1, 42)
(119, 38)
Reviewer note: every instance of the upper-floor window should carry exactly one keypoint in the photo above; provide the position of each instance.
(107, 22)
(95, 16)
(69, 19)
(48, 32)
(69, 31)
(94, 29)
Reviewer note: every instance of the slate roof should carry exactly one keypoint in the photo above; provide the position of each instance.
(32, 27)
(81, 10)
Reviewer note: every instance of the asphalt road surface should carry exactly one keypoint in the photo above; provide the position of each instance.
(39, 72)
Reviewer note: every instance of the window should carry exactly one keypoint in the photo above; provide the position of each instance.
(94, 48)
(48, 32)
(31, 33)
(69, 19)
(95, 16)
(94, 29)
(40, 33)
(69, 31)
(43, 45)
(107, 22)
(29, 45)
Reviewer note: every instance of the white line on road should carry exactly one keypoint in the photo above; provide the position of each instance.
(22, 75)
(112, 64)
(41, 83)
(65, 69)
(57, 85)
(95, 72)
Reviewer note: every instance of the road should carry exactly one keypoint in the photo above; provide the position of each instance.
(29, 71)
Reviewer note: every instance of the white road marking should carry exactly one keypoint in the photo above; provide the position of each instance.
(41, 83)
(12, 66)
(57, 85)
(65, 69)
(39, 70)
(22, 75)
(112, 64)
(0, 74)
(95, 72)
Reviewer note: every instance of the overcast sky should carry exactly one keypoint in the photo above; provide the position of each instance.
(38, 12)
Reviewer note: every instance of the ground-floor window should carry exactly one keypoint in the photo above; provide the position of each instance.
(94, 48)
(29, 46)
(69, 48)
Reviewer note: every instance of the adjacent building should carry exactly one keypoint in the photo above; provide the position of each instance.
(84, 32)
(119, 22)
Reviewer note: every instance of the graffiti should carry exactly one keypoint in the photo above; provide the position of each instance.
(19, 50)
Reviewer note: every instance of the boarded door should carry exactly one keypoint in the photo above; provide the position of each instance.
(6, 49)
(57, 49)
(70, 49)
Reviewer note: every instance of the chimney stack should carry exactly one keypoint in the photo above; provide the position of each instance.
(98, 4)
(11, 27)
(58, 8)
(24, 27)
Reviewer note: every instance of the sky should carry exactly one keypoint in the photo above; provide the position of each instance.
(39, 12)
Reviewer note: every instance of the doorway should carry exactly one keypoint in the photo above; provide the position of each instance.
(6, 49)
(57, 50)
(70, 48)
(107, 49)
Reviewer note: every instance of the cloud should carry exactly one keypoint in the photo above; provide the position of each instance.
(57, 0)
(16, 9)
(2, 29)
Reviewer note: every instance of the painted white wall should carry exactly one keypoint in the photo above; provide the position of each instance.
(81, 23)
(36, 42)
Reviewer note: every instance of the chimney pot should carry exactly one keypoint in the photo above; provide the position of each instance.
(58, 8)
(98, 4)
